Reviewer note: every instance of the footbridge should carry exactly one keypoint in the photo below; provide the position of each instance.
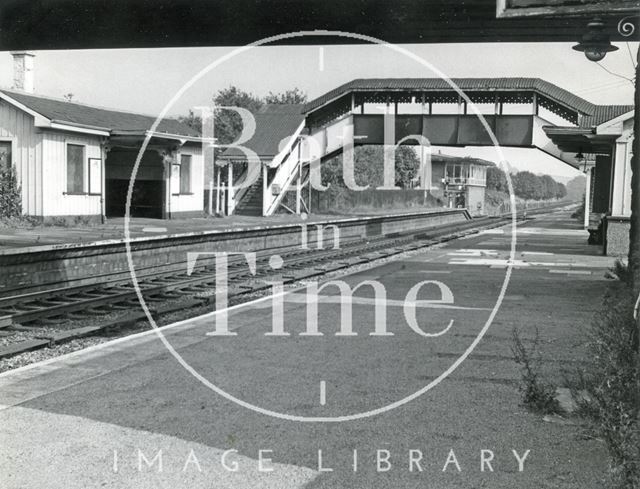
(518, 112)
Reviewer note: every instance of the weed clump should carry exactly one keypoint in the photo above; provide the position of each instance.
(612, 380)
(537, 395)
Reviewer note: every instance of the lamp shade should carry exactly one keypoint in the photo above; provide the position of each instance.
(595, 43)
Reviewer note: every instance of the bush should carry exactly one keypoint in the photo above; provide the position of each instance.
(10, 196)
(612, 380)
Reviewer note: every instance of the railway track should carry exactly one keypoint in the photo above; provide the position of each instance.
(61, 304)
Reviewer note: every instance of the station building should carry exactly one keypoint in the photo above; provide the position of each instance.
(459, 181)
(75, 161)
(606, 148)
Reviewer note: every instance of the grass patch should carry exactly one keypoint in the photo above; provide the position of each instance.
(612, 380)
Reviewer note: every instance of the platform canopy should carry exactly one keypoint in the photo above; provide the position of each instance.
(64, 24)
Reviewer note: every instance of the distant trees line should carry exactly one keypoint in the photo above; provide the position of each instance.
(526, 185)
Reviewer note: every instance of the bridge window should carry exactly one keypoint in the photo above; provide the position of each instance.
(489, 109)
(517, 109)
(440, 108)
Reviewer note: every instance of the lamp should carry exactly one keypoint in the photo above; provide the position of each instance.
(581, 160)
(595, 43)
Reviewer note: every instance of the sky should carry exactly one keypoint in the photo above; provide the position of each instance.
(145, 80)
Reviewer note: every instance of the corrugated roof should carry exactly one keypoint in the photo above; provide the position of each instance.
(596, 114)
(95, 117)
(603, 113)
(274, 122)
(444, 158)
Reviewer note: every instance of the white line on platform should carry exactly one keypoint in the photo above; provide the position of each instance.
(323, 392)
(303, 298)
(487, 262)
(154, 230)
(536, 253)
(572, 272)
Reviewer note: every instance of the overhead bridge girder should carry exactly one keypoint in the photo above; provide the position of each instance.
(520, 131)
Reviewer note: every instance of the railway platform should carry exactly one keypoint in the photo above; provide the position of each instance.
(311, 408)
(43, 236)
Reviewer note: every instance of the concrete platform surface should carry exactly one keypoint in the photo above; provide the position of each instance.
(128, 414)
(113, 229)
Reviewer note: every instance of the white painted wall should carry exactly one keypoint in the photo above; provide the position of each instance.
(194, 201)
(54, 158)
(17, 127)
(621, 190)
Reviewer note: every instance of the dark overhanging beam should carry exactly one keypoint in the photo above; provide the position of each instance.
(68, 24)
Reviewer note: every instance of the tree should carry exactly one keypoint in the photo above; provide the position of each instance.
(550, 188)
(295, 96)
(575, 188)
(526, 185)
(228, 123)
(192, 120)
(496, 179)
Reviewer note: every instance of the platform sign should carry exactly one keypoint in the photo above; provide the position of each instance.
(546, 8)
(95, 176)
(175, 179)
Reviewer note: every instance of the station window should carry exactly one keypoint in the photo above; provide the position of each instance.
(185, 174)
(5, 155)
(456, 173)
(75, 169)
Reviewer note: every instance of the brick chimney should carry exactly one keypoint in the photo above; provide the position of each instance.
(23, 70)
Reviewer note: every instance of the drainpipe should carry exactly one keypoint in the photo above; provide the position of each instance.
(265, 187)
(219, 170)
(231, 204)
(103, 164)
(587, 198)
(168, 169)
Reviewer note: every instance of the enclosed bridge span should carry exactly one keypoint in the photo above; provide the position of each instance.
(521, 112)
